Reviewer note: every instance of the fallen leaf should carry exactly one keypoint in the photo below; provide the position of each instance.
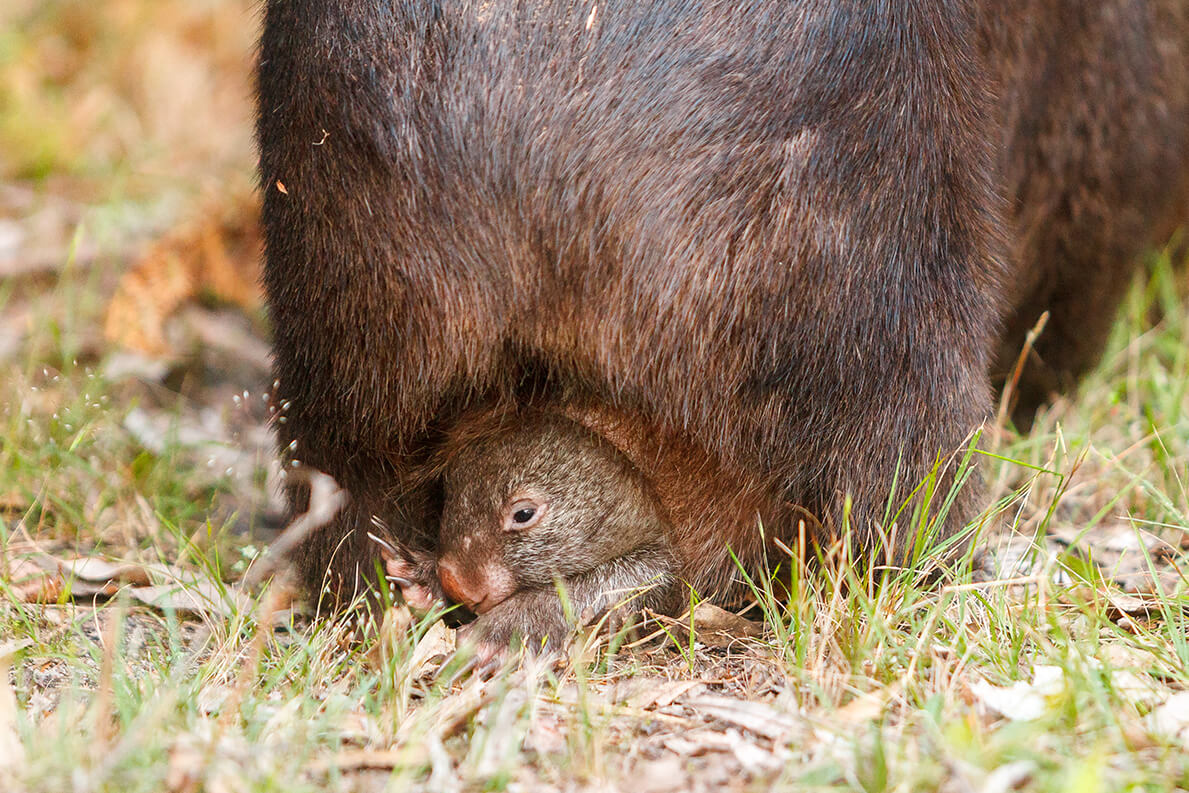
(717, 627)
(12, 751)
(1022, 701)
(451, 715)
(754, 759)
(104, 571)
(664, 693)
(1172, 718)
(198, 596)
(753, 716)
(216, 251)
(1135, 688)
(438, 643)
(1122, 605)
(712, 626)
(867, 707)
(41, 578)
(659, 776)
(1008, 777)
(31, 583)
(369, 759)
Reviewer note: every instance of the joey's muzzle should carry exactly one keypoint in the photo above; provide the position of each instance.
(479, 587)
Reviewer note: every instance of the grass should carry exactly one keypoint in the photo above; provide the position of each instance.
(875, 687)
(852, 686)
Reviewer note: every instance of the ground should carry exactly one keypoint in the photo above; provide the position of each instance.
(138, 651)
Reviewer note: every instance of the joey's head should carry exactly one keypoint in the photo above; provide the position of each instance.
(533, 497)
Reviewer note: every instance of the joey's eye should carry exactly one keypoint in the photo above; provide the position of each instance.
(523, 514)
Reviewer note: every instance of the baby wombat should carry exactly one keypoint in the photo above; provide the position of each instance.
(540, 501)
(533, 500)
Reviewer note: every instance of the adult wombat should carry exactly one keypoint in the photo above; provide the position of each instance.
(787, 235)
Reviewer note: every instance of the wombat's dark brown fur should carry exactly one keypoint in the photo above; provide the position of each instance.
(1093, 133)
(771, 231)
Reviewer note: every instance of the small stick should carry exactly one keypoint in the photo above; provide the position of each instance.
(1010, 389)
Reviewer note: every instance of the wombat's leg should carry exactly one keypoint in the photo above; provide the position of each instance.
(347, 546)
(892, 487)
(1095, 168)
(1082, 300)
(644, 579)
(336, 561)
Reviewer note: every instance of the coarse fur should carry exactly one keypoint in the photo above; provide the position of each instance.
(1093, 126)
(774, 232)
(594, 525)
(620, 520)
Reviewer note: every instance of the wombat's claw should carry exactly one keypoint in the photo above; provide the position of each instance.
(486, 657)
(482, 663)
(400, 572)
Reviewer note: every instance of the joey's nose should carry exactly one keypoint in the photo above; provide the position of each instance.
(460, 587)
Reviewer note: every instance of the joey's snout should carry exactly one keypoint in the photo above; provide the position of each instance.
(478, 586)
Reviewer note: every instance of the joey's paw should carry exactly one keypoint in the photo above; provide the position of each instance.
(512, 628)
(485, 656)
(415, 580)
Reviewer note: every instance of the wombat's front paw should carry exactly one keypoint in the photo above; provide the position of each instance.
(532, 622)
(416, 579)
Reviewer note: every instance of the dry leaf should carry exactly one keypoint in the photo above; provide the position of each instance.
(32, 583)
(103, 571)
(438, 643)
(867, 707)
(754, 759)
(718, 627)
(1008, 777)
(198, 596)
(41, 577)
(369, 759)
(12, 751)
(1138, 689)
(660, 776)
(454, 712)
(1172, 718)
(1122, 605)
(662, 694)
(218, 252)
(713, 626)
(753, 716)
(1022, 701)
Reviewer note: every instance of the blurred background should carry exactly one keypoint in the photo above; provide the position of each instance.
(133, 353)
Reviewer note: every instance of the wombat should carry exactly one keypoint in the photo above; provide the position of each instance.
(787, 235)
(533, 499)
(538, 500)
